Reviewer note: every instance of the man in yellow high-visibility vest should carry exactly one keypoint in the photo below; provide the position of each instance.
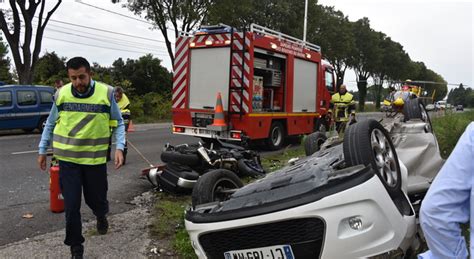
(124, 105)
(78, 127)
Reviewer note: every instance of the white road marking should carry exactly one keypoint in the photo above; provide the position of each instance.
(25, 152)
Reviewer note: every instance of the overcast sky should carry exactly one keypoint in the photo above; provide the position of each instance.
(439, 33)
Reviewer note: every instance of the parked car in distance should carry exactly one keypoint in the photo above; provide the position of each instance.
(430, 107)
(25, 106)
(459, 107)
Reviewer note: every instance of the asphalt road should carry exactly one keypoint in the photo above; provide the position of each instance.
(25, 189)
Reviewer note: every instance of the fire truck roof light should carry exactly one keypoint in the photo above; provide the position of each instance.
(192, 44)
(274, 46)
(208, 42)
(308, 55)
(227, 42)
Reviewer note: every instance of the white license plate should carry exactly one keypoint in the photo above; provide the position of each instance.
(268, 252)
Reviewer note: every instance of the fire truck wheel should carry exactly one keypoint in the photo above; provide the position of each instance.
(250, 167)
(215, 185)
(313, 142)
(367, 142)
(276, 136)
(180, 158)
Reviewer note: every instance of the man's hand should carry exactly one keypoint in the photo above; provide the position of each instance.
(42, 162)
(118, 158)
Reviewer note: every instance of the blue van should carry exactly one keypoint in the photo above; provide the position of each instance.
(25, 106)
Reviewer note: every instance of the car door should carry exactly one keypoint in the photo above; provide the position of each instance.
(27, 112)
(7, 114)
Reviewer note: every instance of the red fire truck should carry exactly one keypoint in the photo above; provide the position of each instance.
(272, 85)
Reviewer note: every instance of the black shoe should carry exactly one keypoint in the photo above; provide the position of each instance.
(102, 225)
(77, 251)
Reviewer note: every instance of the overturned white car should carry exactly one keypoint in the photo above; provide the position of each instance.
(350, 200)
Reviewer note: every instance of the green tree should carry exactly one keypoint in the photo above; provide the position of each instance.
(365, 53)
(49, 68)
(184, 15)
(5, 75)
(145, 74)
(25, 60)
(332, 30)
(285, 16)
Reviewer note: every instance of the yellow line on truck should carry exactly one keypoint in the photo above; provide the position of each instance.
(282, 114)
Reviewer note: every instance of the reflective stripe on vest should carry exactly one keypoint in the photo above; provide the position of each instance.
(82, 130)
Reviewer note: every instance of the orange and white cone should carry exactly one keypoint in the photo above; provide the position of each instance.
(131, 127)
(219, 119)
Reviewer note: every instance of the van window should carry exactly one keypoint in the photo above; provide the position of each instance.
(5, 99)
(26, 98)
(46, 97)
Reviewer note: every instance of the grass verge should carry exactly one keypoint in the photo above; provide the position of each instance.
(168, 213)
(449, 128)
(274, 162)
(168, 222)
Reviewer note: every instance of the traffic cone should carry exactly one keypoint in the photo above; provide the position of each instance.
(131, 128)
(219, 119)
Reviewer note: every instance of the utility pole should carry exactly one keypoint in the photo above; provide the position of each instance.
(305, 19)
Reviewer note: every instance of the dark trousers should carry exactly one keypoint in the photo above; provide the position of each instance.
(74, 178)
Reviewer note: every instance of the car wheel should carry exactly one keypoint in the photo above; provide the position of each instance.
(414, 109)
(276, 136)
(42, 124)
(313, 142)
(368, 143)
(250, 167)
(215, 185)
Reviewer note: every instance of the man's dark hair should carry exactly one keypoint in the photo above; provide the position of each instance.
(78, 62)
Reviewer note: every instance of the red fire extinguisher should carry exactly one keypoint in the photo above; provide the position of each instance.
(55, 195)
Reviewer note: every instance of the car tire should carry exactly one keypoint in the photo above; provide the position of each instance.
(313, 142)
(42, 124)
(250, 168)
(414, 109)
(368, 143)
(188, 159)
(276, 136)
(209, 186)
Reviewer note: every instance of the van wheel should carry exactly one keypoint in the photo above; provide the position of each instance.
(42, 124)
(276, 136)
(368, 143)
(215, 185)
(313, 142)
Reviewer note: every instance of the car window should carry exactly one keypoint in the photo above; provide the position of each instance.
(26, 98)
(46, 97)
(5, 98)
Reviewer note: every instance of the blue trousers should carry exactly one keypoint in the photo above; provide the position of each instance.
(74, 179)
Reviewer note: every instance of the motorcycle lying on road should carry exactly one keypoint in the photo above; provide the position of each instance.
(184, 164)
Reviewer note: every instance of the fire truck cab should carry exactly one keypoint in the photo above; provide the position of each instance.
(272, 85)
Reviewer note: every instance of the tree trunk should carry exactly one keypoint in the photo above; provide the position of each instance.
(378, 96)
(339, 78)
(362, 86)
(25, 76)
